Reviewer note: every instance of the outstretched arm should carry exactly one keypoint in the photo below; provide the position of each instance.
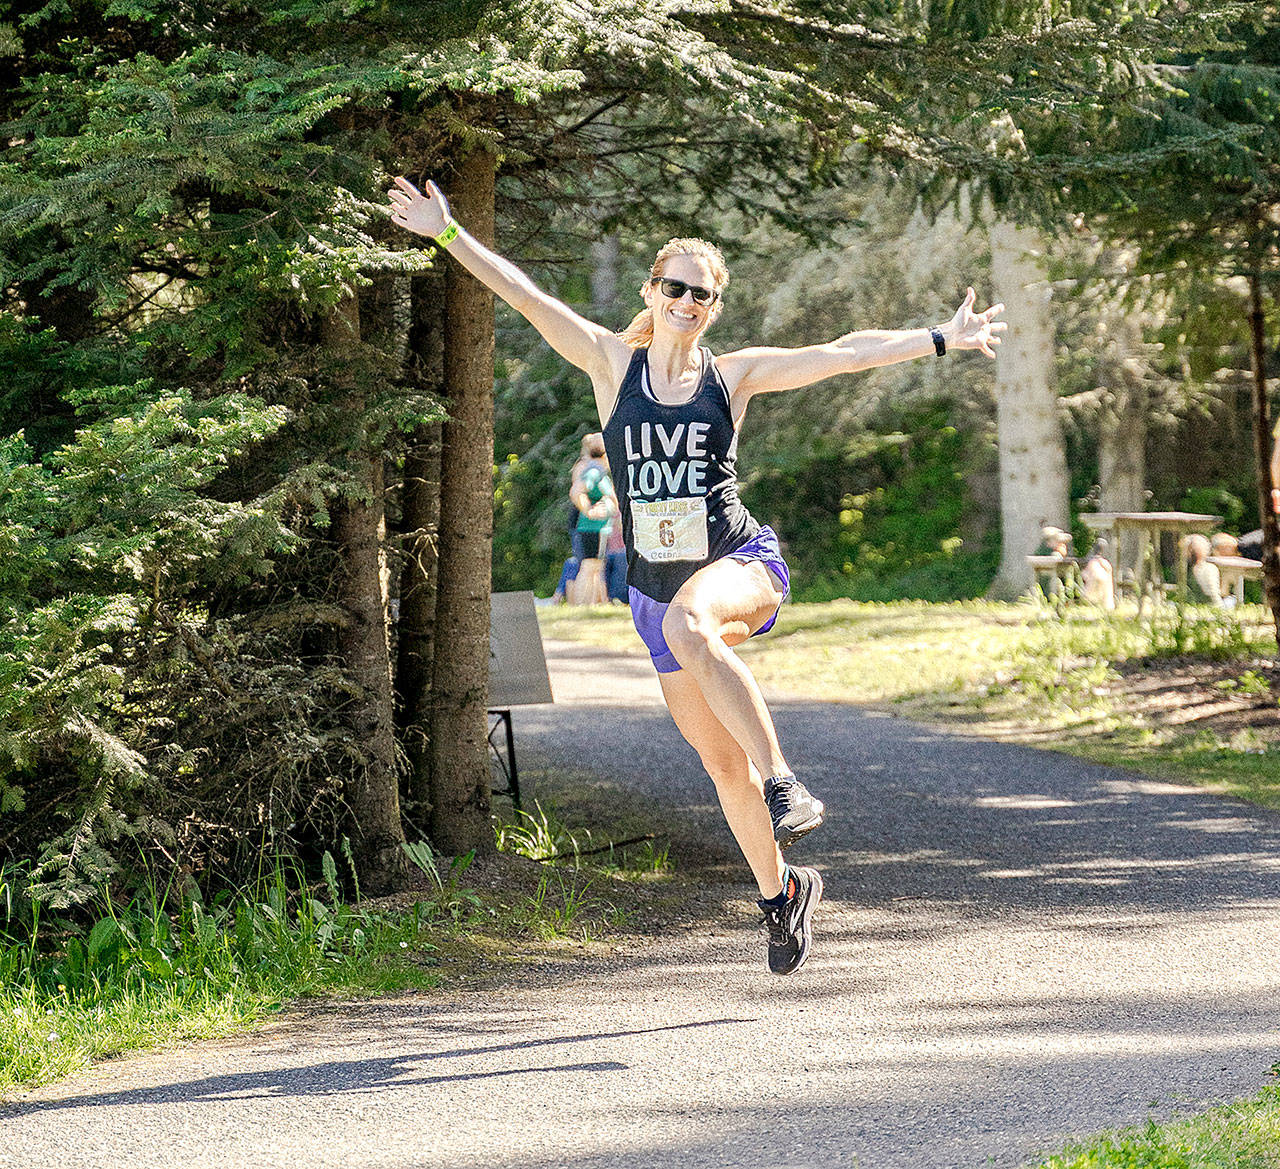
(765, 370)
(591, 347)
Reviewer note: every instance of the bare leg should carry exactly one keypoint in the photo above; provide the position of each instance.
(738, 783)
(720, 606)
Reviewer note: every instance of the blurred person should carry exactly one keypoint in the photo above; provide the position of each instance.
(1056, 543)
(1250, 545)
(1053, 542)
(615, 565)
(1098, 577)
(1204, 582)
(1230, 579)
(597, 503)
(590, 449)
(703, 575)
(1275, 469)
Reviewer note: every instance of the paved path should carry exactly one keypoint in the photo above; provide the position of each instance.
(1015, 947)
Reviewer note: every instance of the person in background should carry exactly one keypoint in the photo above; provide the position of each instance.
(615, 566)
(1204, 582)
(1098, 578)
(1275, 469)
(1230, 579)
(1057, 543)
(1250, 545)
(1054, 542)
(591, 443)
(593, 495)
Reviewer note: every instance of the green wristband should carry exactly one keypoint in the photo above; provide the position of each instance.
(450, 233)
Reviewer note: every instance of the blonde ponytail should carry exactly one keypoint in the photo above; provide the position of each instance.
(639, 334)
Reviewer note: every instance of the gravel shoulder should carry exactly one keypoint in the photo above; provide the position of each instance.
(1015, 947)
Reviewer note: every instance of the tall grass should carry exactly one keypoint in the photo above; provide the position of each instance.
(122, 974)
(129, 974)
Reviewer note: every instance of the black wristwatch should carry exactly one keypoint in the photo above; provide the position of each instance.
(939, 342)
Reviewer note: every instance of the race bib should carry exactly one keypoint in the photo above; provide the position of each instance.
(670, 529)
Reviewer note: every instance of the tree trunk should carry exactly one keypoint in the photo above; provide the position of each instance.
(459, 725)
(606, 258)
(1262, 452)
(1033, 463)
(1122, 441)
(358, 529)
(420, 517)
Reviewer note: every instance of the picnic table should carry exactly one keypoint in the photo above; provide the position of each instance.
(1235, 570)
(1063, 569)
(1145, 528)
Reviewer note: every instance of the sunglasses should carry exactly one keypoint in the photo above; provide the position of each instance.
(675, 289)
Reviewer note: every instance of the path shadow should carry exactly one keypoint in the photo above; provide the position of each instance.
(335, 1077)
(915, 812)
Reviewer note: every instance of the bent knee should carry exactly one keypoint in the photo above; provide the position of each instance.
(688, 632)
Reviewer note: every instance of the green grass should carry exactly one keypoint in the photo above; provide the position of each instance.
(545, 834)
(1027, 671)
(1243, 1135)
(1232, 766)
(117, 976)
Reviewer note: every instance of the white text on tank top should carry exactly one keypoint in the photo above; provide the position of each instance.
(668, 461)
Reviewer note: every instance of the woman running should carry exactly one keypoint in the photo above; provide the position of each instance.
(702, 575)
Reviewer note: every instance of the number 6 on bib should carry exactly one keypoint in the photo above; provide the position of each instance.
(670, 529)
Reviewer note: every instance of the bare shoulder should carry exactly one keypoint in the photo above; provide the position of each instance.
(733, 367)
(617, 355)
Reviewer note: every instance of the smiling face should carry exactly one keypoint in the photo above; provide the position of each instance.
(683, 316)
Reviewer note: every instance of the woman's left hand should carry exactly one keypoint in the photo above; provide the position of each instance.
(970, 330)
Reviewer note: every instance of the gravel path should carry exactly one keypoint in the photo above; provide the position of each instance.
(1015, 947)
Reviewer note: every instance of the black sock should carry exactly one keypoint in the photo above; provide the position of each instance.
(781, 899)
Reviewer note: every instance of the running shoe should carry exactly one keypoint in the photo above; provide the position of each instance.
(788, 926)
(792, 809)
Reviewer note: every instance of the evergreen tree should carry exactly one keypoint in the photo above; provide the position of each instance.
(186, 210)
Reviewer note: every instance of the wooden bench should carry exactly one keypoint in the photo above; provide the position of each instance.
(517, 677)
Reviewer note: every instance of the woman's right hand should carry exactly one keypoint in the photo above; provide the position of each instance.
(422, 212)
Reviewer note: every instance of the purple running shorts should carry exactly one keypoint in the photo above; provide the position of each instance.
(647, 614)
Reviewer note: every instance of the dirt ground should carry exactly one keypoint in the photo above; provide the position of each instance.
(1190, 694)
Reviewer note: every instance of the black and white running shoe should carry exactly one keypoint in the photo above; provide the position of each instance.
(788, 926)
(792, 809)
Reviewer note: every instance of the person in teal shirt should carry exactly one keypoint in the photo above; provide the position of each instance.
(594, 489)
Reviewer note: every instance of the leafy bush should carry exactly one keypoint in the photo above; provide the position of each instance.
(878, 518)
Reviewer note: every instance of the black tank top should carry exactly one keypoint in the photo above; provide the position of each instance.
(674, 470)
